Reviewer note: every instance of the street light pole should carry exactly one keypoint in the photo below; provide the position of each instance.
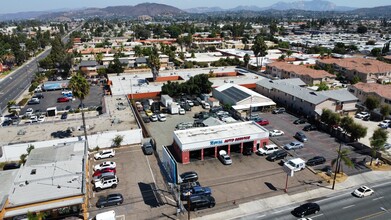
(337, 165)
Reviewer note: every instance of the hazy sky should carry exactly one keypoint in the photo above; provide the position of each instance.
(10, 6)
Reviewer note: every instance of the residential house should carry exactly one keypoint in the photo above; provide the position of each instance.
(88, 67)
(283, 70)
(363, 90)
(366, 70)
(305, 101)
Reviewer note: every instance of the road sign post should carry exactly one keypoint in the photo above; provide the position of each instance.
(289, 173)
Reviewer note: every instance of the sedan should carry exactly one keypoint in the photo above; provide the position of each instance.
(148, 113)
(306, 209)
(274, 133)
(294, 145)
(162, 117)
(363, 191)
(153, 117)
(309, 128)
(105, 170)
(104, 154)
(384, 124)
(262, 122)
(41, 118)
(299, 121)
(301, 136)
(64, 115)
(111, 199)
(362, 115)
(63, 99)
(106, 164)
(29, 112)
(225, 158)
(316, 161)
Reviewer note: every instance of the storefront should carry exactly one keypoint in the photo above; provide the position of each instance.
(201, 143)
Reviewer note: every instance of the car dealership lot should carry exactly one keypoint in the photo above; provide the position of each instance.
(137, 174)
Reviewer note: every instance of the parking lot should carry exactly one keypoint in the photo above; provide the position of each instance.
(318, 144)
(138, 174)
(50, 100)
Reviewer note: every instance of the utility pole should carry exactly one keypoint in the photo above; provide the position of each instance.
(337, 164)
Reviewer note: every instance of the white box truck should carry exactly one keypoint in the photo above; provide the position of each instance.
(109, 215)
(295, 164)
(174, 108)
(213, 102)
(166, 100)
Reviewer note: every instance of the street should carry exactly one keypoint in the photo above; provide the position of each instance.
(341, 205)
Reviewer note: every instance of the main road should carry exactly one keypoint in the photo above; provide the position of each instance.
(341, 205)
(14, 85)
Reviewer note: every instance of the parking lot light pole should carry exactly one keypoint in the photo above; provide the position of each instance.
(337, 164)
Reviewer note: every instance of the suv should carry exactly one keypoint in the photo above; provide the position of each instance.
(147, 148)
(104, 154)
(279, 111)
(277, 155)
(268, 149)
(103, 176)
(301, 136)
(316, 161)
(201, 202)
(111, 199)
(106, 183)
(196, 191)
(190, 176)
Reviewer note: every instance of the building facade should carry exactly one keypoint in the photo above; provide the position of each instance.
(363, 90)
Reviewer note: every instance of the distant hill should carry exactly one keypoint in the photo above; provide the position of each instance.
(200, 10)
(372, 12)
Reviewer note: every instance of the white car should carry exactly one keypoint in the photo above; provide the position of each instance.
(162, 117)
(363, 191)
(33, 118)
(104, 154)
(274, 133)
(106, 164)
(29, 112)
(182, 111)
(153, 117)
(385, 124)
(225, 158)
(362, 115)
(41, 118)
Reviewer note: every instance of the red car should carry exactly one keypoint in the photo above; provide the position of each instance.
(63, 99)
(105, 170)
(262, 122)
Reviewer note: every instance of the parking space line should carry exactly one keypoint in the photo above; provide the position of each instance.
(349, 206)
(169, 199)
(315, 216)
(261, 216)
(150, 169)
(378, 198)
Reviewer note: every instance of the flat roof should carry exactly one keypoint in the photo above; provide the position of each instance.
(50, 173)
(7, 179)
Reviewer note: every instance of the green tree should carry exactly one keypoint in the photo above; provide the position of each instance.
(36, 216)
(329, 117)
(9, 104)
(323, 86)
(342, 156)
(23, 157)
(117, 140)
(80, 89)
(378, 139)
(115, 66)
(259, 48)
(346, 123)
(355, 80)
(385, 110)
(376, 52)
(357, 131)
(246, 60)
(289, 53)
(362, 29)
(154, 63)
(372, 102)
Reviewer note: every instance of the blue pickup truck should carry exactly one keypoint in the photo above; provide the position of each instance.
(196, 191)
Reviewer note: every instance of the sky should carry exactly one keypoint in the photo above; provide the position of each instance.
(43, 5)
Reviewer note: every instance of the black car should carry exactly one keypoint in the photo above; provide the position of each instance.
(316, 161)
(146, 120)
(185, 187)
(64, 115)
(6, 123)
(11, 166)
(190, 176)
(309, 128)
(201, 202)
(38, 95)
(299, 121)
(301, 136)
(277, 155)
(248, 150)
(306, 209)
(111, 199)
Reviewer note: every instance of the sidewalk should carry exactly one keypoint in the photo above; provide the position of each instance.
(286, 199)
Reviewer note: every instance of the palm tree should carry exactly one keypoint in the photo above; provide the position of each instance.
(80, 89)
(259, 48)
(343, 155)
(378, 139)
(154, 63)
(289, 53)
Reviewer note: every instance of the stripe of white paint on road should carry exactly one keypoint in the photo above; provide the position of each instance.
(150, 169)
(317, 215)
(261, 216)
(121, 217)
(377, 198)
(349, 206)
(279, 211)
(170, 199)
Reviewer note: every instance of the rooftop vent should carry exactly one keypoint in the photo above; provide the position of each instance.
(33, 171)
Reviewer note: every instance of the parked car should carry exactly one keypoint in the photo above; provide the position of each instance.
(33, 119)
(147, 148)
(306, 209)
(316, 161)
(301, 136)
(64, 115)
(104, 154)
(309, 128)
(153, 118)
(277, 155)
(182, 111)
(106, 183)
(362, 115)
(111, 199)
(293, 145)
(29, 112)
(185, 187)
(11, 166)
(105, 170)
(196, 191)
(262, 122)
(106, 164)
(274, 133)
(299, 121)
(63, 99)
(33, 101)
(224, 157)
(385, 124)
(190, 176)
(7, 123)
(162, 117)
(278, 111)
(267, 149)
(103, 177)
(146, 119)
(201, 202)
(148, 113)
(38, 96)
(41, 118)
(363, 191)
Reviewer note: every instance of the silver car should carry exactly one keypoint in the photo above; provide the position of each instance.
(294, 145)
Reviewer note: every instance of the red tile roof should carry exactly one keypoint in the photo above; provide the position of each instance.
(380, 89)
(301, 70)
(360, 64)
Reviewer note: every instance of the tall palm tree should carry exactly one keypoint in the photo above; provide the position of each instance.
(343, 156)
(154, 63)
(259, 48)
(80, 89)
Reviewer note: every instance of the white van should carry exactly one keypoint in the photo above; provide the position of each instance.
(268, 149)
(295, 164)
(205, 105)
(109, 215)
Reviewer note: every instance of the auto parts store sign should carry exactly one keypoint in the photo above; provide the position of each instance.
(229, 140)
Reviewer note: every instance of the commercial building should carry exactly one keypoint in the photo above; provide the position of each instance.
(52, 181)
(206, 142)
(363, 90)
(283, 70)
(305, 101)
(366, 70)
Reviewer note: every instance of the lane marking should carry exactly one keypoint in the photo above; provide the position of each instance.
(315, 216)
(261, 216)
(378, 198)
(349, 206)
(150, 169)
(279, 211)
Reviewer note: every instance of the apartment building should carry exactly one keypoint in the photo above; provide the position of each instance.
(363, 90)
